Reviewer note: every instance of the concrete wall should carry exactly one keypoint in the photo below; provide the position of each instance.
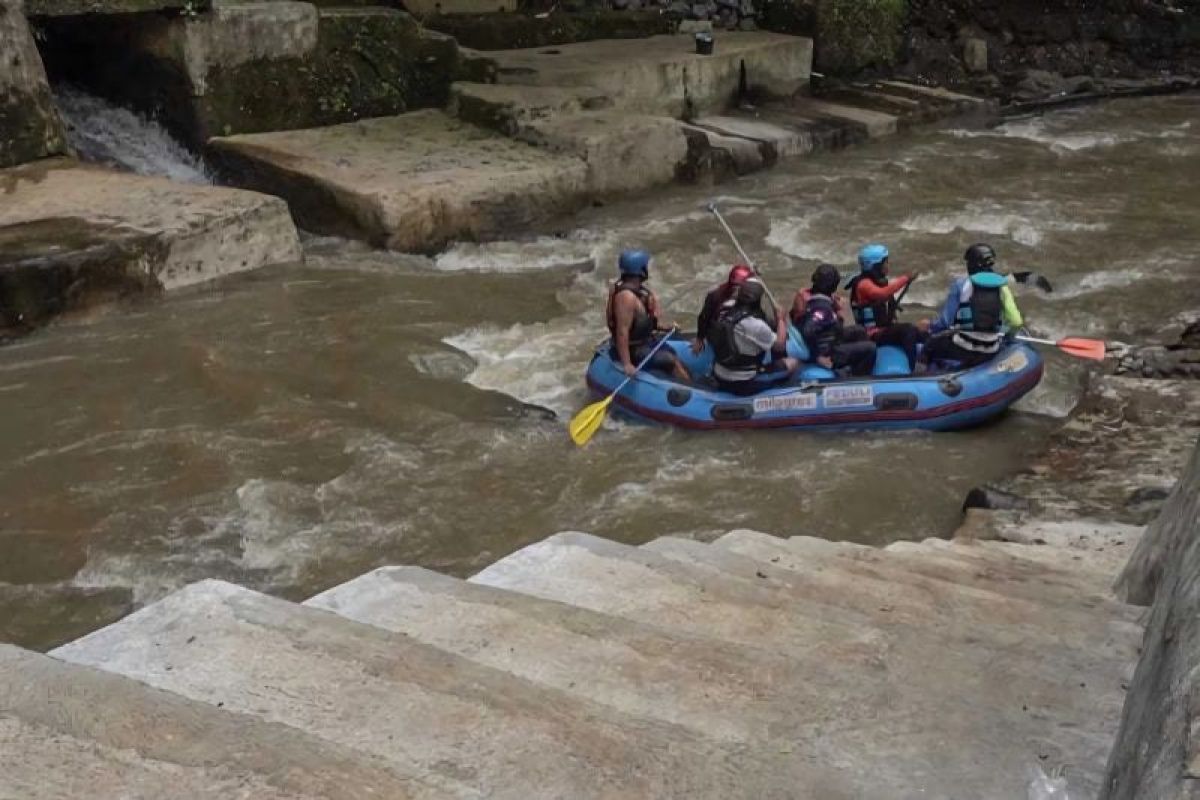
(1156, 754)
(29, 124)
(246, 68)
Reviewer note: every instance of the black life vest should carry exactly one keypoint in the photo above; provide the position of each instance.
(877, 315)
(820, 325)
(644, 322)
(984, 312)
(721, 338)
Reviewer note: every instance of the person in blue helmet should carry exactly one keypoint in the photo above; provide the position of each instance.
(978, 313)
(875, 307)
(632, 314)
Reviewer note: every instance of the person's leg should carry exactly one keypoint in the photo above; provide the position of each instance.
(942, 347)
(858, 356)
(663, 361)
(902, 335)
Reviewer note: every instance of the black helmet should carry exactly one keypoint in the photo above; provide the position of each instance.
(980, 258)
(825, 279)
(750, 293)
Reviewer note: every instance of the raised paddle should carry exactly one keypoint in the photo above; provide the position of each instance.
(585, 424)
(792, 334)
(1093, 349)
(1037, 280)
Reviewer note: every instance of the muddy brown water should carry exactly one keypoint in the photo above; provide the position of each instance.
(290, 429)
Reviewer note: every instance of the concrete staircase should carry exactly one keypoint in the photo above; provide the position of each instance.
(579, 667)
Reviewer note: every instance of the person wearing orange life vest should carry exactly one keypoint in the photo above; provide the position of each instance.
(632, 316)
(717, 297)
(874, 305)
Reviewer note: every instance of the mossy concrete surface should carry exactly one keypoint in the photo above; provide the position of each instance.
(853, 35)
(247, 68)
(513, 31)
(29, 124)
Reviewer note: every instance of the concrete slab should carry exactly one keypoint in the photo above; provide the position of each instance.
(411, 182)
(436, 716)
(933, 92)
(76, 234)
(637, 668)
(874, 123)
(784, 142)
(624, 152)
(944, 706)
(663, 74)
(716, 155)
(1015, 625)
(105, 736)
(506, 108)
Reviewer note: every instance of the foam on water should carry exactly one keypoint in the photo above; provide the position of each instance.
(1040, 131)
(1024, 223)
(108, 134)
(534, 255)
(538, 364)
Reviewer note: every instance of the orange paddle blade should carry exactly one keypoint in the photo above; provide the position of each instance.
(1082, 348)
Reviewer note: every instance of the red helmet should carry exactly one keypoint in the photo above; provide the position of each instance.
(740, 274)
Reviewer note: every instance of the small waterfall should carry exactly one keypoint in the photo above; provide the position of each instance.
(107, 134)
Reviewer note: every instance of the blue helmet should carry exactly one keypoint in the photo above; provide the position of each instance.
(635, 263)
(871, 257)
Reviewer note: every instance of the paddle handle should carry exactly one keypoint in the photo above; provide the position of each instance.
(644, 362)
(792, 334)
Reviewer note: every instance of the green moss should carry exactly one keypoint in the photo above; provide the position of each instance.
(796, 17)
(29, 127)
(365, 66)
(853, 35)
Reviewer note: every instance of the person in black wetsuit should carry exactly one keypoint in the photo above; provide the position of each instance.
(823, 331)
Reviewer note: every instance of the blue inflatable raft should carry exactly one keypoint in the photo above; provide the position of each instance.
(816, 399)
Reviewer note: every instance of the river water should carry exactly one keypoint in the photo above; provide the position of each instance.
(292, 428)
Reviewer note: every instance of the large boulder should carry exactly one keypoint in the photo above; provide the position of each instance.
(29, 124)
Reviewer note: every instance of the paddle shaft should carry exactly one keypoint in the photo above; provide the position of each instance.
(750, 263)
(1032, 340)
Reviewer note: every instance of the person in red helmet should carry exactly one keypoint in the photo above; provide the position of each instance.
(720, 294)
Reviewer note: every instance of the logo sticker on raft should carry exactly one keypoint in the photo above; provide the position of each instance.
(846, 396)
(1014, 363)
(801, 401)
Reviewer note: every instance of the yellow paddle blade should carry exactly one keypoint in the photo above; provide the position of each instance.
(585, 424)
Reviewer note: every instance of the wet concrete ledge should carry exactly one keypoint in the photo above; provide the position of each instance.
(74, 235)
(567, 126)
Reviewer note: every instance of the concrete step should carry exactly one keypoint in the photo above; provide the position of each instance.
(623, 152)
(409, 182)
(663, 75)
(507, 109)
(916, 714)
(876, 564)
(70, 731)
(1002, 567)
(874, 124)
(1030, 637)
(638, 668)
(1013, 577)
(437, 716)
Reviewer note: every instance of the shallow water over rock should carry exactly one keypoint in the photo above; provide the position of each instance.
(292, 428)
